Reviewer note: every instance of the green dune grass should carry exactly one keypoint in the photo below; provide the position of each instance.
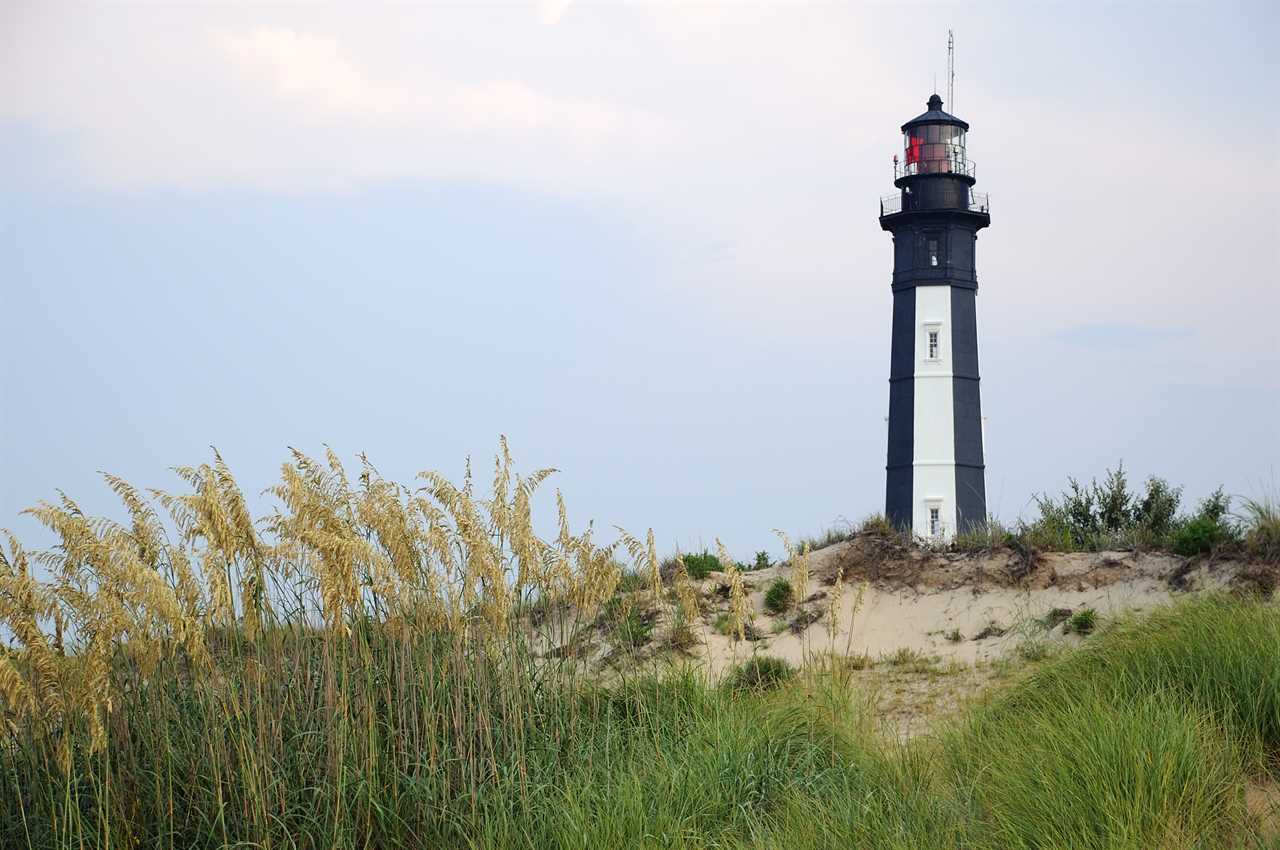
(1145, 737)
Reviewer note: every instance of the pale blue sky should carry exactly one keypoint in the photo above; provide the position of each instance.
(640, 241)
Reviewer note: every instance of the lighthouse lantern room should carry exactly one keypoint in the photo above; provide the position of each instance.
(935, 474)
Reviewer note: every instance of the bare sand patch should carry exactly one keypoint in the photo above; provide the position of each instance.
(955, 608)
(941, 613)
(1262, 799)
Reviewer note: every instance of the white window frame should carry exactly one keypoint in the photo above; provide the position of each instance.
(937, 528)
(932, 328)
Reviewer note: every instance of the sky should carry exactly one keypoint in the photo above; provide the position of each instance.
(641, 241)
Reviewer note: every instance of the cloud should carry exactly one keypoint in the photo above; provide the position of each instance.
(313, 74)
(750, 143)
(316, 80)
(209, 101)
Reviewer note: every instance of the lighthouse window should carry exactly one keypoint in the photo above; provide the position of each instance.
(935, 522)
(933, 252)
(933, 342)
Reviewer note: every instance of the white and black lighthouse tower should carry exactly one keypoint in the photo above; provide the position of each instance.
(935, 477)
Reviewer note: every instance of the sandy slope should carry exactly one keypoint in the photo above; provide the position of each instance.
(932, 630)
(959, 609)
(941, 604)
(919, 601)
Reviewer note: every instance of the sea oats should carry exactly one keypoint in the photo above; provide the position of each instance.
(739, 604)
(835, 601)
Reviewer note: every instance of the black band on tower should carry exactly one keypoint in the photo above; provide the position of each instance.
(971, 500)
(899, 469)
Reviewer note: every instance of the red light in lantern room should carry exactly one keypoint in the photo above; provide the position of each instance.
(914, 144)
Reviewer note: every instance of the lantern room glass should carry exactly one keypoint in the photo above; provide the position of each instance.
(934, 149)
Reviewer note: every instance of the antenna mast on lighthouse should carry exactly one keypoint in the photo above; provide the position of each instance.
(951, 71)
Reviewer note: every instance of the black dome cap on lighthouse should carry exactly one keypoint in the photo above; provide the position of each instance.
(935, 115)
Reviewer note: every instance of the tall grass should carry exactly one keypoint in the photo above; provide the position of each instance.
(351, 668)
(1261, 520)
(1145, 732)
(1216, 654)
(1092, 773)
(377, 666)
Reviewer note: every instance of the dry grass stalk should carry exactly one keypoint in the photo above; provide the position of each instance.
(739, 605)
(335, 560)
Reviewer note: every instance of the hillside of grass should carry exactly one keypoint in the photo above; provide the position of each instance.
(373, 665)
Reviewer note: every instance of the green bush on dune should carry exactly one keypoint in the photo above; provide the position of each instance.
(701, 564)
(777, 599)
(1110, 515)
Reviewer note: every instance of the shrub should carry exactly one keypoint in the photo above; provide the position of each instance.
(1083, 513)
(760, 673)
(1196, 537)
(699, 565)
(777, 598)
(1082, 622)
(1115, 502)
(1098, 516)
(1079, 506)
(1156, 510)
(763, 562)
(1207, 530)
(1215, 506)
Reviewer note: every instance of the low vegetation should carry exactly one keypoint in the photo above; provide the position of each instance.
(1261, 521)
(778, 598)
(372, 665)
(836, 534)
(759, 673)
(1109, 515)
(1082, 622)
(702, 564)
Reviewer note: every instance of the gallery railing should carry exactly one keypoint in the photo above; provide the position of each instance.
(954, 164)
(911, 202)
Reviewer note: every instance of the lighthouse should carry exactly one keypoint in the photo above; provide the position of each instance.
(935, 474)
